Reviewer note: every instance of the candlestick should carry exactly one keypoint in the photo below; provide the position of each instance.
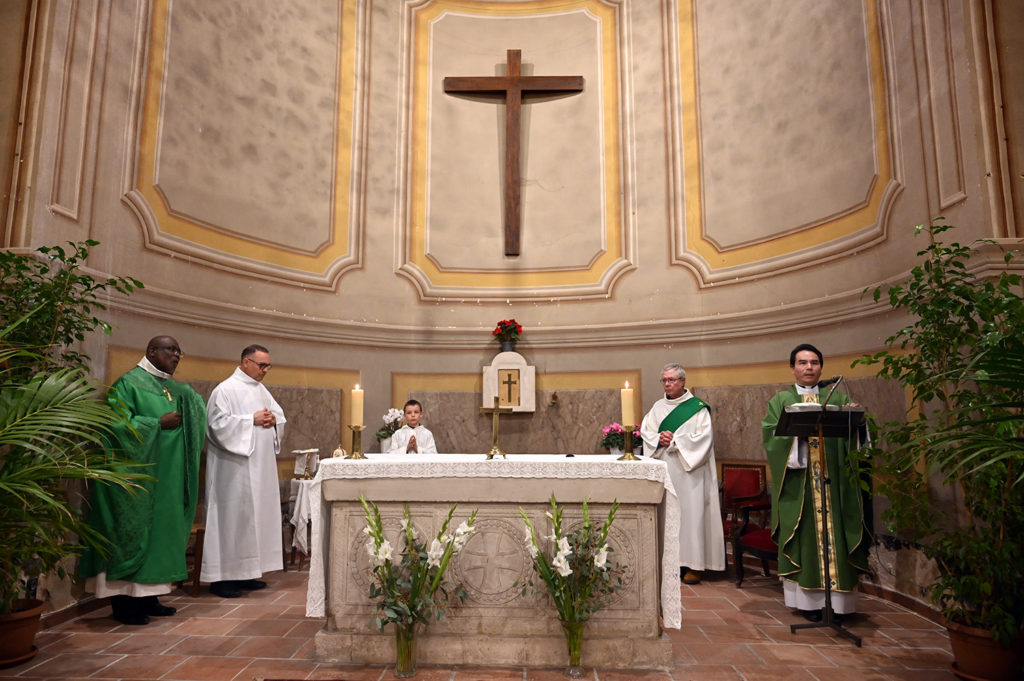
(357, 436)
(628, 407)
(356, 415)
(629, 456)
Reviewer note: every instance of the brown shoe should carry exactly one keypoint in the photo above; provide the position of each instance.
(691, 577)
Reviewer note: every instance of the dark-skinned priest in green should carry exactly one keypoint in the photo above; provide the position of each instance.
(796, 502)
(148, 530)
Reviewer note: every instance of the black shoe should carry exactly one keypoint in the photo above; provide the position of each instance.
(225, 589)
(811, 615)
(249, 584)
(128, 610)
(154, 608)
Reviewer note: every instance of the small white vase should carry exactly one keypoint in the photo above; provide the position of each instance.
(385, 445)
(615, 451)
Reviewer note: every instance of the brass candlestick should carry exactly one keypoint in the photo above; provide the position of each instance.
(628, 456)
(357, 436)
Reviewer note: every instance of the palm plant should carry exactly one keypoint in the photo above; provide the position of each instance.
(51, 429)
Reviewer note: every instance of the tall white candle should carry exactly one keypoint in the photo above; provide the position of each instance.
(628, 408)
(356, 415)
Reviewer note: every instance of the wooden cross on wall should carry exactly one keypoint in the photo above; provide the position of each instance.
(514, 85)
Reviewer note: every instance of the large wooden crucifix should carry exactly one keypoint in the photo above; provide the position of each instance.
(514, 85)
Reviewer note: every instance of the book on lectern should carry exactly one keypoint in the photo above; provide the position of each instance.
(805, 418)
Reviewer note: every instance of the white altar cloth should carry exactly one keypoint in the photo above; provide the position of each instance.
(476, 465)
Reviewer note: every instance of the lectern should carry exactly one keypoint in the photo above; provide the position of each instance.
(814, 422)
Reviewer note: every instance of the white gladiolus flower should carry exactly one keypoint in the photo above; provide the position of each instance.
(372, 550)
(561, 565)
(601, 557)
(532, 549)
(367, 530)
(563, 546)
(384, 552)
(435, 553)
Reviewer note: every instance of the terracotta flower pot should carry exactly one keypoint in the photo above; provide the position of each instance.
(978, 658)
(18, 632)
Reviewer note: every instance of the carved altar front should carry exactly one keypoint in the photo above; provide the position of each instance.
(497, 624)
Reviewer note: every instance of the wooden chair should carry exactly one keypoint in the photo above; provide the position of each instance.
(745, 493)
(196, 539)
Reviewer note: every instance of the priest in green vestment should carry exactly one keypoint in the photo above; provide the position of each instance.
(796, 502)
(148, 528)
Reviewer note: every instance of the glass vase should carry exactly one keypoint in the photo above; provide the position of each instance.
(405, 651)
(574, 640)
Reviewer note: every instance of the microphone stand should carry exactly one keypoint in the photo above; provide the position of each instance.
(828, 619)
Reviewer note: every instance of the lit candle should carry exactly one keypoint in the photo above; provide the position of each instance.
(628, 408)
(357, 406)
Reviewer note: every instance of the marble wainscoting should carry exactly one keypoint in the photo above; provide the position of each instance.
(565, 421)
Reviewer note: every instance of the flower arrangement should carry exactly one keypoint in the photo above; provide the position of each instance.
(614, 436)
(579, 577)
(507, 330)
(392, 422)
(410, 587)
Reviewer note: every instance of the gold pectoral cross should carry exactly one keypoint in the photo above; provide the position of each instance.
(168, 393)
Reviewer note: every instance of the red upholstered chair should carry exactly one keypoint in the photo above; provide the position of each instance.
(754, 539)
(745, 493)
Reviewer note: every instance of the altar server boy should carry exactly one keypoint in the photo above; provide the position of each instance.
(412, 438)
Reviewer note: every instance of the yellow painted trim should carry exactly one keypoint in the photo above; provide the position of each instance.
(612, 151)
(228, 243)
(812, 236)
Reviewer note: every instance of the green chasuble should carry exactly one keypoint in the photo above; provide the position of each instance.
(796, 522)
(149, 528)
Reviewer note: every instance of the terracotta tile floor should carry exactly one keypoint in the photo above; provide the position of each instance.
(728, 634)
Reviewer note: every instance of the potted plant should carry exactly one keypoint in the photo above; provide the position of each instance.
(507, 332)
(613, 437)
(392, 422)
(51, 425)
(953, 472)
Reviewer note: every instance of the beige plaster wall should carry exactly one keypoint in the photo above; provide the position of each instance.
(731, 179)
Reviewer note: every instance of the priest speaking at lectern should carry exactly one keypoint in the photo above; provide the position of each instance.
(796, 522)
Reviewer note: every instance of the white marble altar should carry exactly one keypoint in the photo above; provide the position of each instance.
(497, 624)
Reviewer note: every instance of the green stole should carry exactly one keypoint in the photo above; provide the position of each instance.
(682, 413)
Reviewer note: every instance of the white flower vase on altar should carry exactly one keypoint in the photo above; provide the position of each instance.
(385, 445)
(615, 451)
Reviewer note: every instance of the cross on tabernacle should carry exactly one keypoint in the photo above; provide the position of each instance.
(514, 85)
(509, 381)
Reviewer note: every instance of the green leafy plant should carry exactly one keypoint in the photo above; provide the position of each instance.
(51, 429)
(411, 587)
(52, 415)
(953, 471)
(56, 303)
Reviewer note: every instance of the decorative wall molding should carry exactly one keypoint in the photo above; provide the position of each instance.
(81, 26)
(852, 220)
(289, 253)
(564, 258)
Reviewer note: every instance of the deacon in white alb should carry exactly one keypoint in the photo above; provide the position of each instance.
(243, 500)
(677, 430)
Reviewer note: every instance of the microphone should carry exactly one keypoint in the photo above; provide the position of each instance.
(834, 379)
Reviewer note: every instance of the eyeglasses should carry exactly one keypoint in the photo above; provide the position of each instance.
(265, 366)
(173, 349)
(671, 380)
